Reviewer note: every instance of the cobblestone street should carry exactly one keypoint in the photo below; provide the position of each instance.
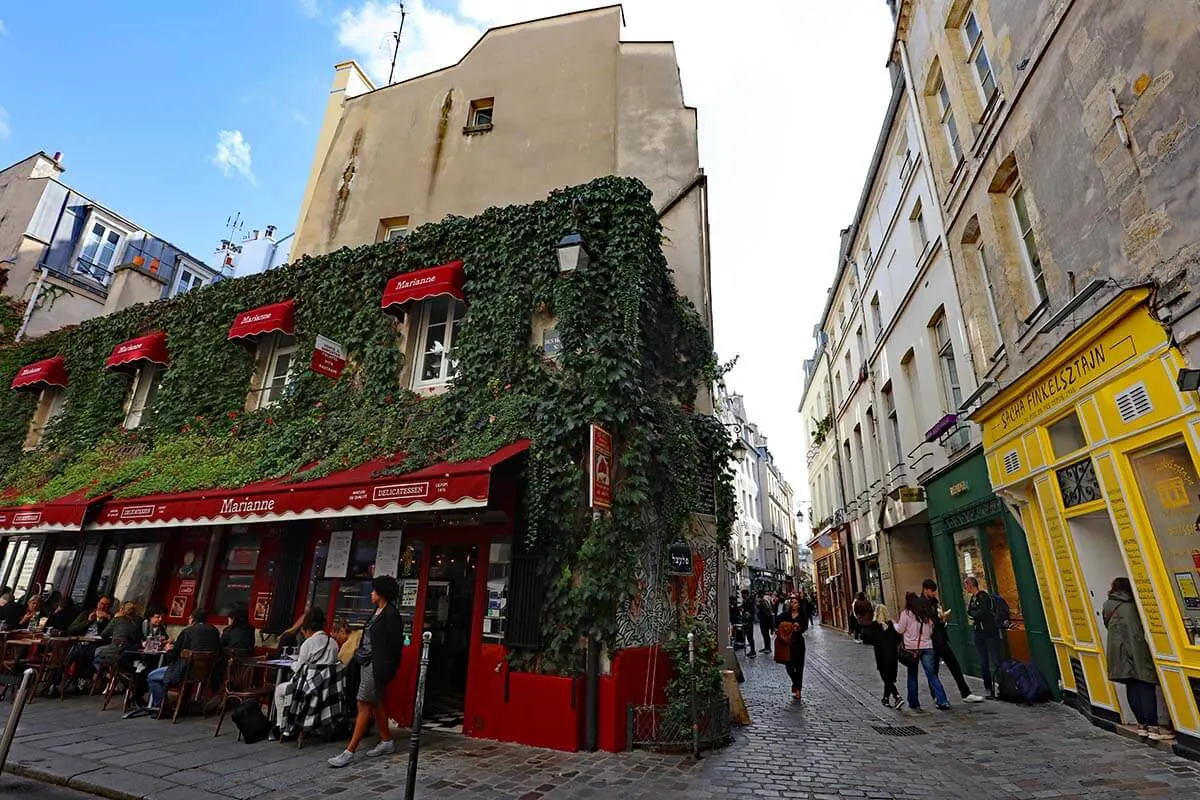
(826, 747)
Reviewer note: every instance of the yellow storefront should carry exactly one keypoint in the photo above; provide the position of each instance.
(1098, 451)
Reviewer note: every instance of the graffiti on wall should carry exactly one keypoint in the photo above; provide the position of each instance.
(654, 612)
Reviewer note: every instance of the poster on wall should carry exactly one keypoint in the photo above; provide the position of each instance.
(387, 556)
(178, 607)
(187, 587)
(1187, 590)
(338, 562)
(408, 593)
(262, 606)
(600, 468)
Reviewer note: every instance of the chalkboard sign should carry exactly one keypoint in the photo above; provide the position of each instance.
(706, 496)
(679, 558)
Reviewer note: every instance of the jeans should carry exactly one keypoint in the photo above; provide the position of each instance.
(1143, 699)
(926, 660)
(795, 664)
(945, 652)
(987, 645)
(157, 678)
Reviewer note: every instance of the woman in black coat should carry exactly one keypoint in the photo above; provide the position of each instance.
(379, 658)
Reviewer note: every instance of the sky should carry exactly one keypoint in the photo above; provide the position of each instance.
(178, 115)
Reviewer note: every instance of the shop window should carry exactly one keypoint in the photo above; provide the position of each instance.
(343, 570)
(237, 572)
(277, 355)
(135, 576)
(1077, 483)
(50, 406)
(20, 559)
(60, 568)
(142, 393)
(440, 324)
(970, 558)
(1066, 435)
(499, 572)
(1170, 492)
(1002, 571)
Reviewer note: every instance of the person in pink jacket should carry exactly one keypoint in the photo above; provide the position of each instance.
(916, 627)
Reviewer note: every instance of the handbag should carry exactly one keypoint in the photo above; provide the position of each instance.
(909, 657)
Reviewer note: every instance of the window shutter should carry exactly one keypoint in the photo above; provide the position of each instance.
(526, 595)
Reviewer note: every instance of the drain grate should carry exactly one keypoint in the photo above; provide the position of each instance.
(898, 730)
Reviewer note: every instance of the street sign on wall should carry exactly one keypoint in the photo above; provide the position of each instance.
(600, 468)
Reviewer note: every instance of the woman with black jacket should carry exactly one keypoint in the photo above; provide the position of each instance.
(791, 626)
(881, 634)
(379, 657)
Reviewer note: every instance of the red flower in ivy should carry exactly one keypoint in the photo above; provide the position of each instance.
(270, 421)
(233, 415)
(186, 429)
(235, 430)
(389, 400)
(507, 386)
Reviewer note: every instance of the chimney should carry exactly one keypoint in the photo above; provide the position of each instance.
(270, 231)
(58, 156)
(254, 233)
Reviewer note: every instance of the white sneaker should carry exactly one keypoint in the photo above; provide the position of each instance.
(341, 759)
(1161, 734)
(382, 749)
(972, 698)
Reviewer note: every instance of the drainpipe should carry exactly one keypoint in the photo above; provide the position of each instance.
(37, 291)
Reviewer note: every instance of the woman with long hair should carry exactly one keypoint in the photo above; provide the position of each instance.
(915, 626)
(378, 655)
(790, 629)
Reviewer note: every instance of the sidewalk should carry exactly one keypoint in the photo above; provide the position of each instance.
(836, 744)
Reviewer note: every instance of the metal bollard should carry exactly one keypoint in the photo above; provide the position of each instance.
(14, 717)
(695, 715)
(414, 741)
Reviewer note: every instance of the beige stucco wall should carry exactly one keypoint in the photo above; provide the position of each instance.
(21, 187)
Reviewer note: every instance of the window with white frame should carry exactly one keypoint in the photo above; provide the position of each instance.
(917, 218)
(441, 321)
(862, 462)
(867, 253)
(986, 275)
(978, 58)
(850, 490)
(395, 233)
(889, 408)
(849, 376)
(873, 436)
(951, 386)
(141, 395)
(101, 250)
(50, 405)
(1033, 261)
(949, 125)
(188, 280)
(876, 316)
(861, 340)
(392, 229)
(277, 353)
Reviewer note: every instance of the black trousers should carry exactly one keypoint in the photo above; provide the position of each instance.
(943, 650)
(795, 664)
(765, 629)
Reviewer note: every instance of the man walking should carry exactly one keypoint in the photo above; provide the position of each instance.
(749, 617)
(941, 641)
(766, 619)
(981, 612)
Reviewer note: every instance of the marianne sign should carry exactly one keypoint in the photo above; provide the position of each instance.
(600, 468)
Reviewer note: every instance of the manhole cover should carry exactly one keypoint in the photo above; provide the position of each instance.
(898, 730)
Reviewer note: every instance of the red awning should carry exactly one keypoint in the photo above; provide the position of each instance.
(422, 284)
(64, 514)
(360, 491)
(50, 372)
(152, 347)
(275, 318)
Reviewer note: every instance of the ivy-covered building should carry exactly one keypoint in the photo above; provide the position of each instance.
(279, 439)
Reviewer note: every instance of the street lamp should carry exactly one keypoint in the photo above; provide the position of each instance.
(739, 447)
(572, 253)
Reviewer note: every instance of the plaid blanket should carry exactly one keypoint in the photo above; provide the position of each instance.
(314, 698)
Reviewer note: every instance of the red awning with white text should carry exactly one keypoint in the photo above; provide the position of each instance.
(39, 374)
(152, 347)
(275, 318)
(361, 491)
(447, 279)
(64, 514)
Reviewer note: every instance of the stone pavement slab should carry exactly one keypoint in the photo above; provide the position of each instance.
(828, 746)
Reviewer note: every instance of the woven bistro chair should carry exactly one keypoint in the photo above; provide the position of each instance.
(239, 685)
(51, 666)
(197, 677)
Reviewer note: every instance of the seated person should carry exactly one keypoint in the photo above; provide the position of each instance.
(239, 633)
(64, 614)
(126, 625)
(152, 625)
(200, 636)
(294, 635)
(319, 649)
(10, 612)
(33, 613)
(90, 622)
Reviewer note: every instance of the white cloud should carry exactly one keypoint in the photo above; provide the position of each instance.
(233, 155)
(297, 117)
(310, 8)
(790, 97)
(5, 130)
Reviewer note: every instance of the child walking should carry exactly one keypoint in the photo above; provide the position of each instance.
(882, 635)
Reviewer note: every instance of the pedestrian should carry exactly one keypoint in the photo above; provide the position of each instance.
(881, 634)
(852, 621)
(981, 613)
(792, 625)
(766, 620)
(1130, 661)
(862, 612)
(916, 626)
(749, 617)
(378, 655)
(941, 641)
(735, 623)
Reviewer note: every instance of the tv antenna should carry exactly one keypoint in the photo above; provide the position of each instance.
(395, 37)
(234, 225)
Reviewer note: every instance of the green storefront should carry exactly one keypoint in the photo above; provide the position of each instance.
(973, 533)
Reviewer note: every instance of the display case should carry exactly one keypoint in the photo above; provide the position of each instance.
(498, 573)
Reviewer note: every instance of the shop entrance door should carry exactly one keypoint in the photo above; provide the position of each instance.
(1100, 561)
(448, 616)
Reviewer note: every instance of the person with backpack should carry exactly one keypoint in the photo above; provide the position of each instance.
(981, 613)
(942, 650)
(1129, 658)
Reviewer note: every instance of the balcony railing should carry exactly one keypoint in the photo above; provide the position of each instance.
(90, 269)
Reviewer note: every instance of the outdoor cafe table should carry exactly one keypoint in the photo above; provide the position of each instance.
(141, 711)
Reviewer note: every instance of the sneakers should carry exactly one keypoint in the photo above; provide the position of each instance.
(1160, 734)
(943, 706)
(382, 749)
(898, 702)
(341, 759)
(1143, 731)
(972, 698)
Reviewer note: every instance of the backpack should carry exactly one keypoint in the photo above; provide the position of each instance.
(251, 723)
(1001, 612)
(1008, 684)
(1022, 683)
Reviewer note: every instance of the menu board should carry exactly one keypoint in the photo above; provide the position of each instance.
(338, 562)
(387, 556)
(408, 593)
